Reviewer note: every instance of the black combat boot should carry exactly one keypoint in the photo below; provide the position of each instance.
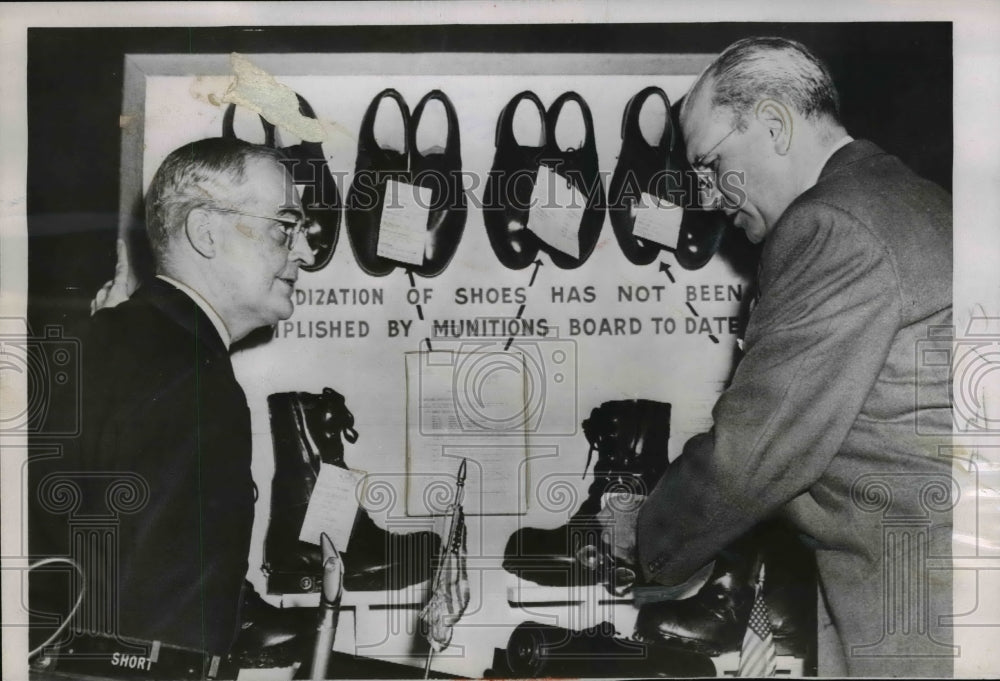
(306, 429)
(630, 438)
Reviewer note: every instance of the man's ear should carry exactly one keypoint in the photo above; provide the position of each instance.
(777, 118)
(198, 227)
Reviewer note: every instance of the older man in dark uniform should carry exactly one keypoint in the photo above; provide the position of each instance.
(161, 403)
(822, 422)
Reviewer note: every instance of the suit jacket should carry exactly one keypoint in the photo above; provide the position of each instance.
(833, 418)
(162, 410)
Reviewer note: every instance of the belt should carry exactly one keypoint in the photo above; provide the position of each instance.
(111, 657)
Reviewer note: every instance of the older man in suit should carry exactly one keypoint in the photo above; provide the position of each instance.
(830, 420)
(163, 408)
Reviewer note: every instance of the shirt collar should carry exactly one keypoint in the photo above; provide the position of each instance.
(212, 315)
(840, 144)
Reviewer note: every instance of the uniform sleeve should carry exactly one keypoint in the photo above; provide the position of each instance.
(815, 345)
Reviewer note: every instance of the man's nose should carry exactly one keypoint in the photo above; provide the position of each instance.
(301, 252)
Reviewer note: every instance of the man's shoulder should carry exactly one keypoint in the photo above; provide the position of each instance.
(867, 206)
(138, 330)
(877, 188)
(135, 317)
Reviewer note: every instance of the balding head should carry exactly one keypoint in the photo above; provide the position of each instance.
(759, 68)
(760, 122)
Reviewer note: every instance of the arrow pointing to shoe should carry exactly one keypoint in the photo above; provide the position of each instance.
(538, 263)
(413, 284)
(664, 267)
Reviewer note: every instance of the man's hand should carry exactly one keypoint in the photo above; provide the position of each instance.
(618, 519)
(119, 289)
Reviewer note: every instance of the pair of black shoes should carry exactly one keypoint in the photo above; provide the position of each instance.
(440, 170)
(662, 171)
(306, 163)
(511, 182)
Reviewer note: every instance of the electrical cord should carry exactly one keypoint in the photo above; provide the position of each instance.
(76, 606)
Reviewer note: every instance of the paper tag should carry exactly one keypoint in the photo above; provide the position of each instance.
(556, 210)
(403, 230)
(332, 506)
(658, 220)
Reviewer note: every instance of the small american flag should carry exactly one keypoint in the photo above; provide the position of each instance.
(451, 591)
(758, 656)
(450, 595)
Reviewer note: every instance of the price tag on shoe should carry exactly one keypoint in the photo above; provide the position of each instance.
(333, 505)
(402, 232)
(556, 211)
(657, 220)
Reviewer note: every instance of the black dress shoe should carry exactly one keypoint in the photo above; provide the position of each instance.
(440, 170)
(374, 167)
(579, 167)
(641, 167)
(701, 230)
(507, 195)
(306, 163)
(712, 621)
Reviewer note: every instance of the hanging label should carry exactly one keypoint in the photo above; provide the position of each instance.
(332, 506)
(658, 220)
(556, 211)
(402, 232)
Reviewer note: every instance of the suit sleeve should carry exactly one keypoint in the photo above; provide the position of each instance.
(815, 344)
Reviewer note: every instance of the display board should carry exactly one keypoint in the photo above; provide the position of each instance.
(605, 330)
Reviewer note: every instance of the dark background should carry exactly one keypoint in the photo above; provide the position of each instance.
(895, 81)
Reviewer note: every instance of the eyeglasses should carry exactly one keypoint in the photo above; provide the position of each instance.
(709, 195)
(291, 227)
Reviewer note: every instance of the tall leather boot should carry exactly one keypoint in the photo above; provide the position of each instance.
(714, 620)
(630, 438)
(306, 429)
